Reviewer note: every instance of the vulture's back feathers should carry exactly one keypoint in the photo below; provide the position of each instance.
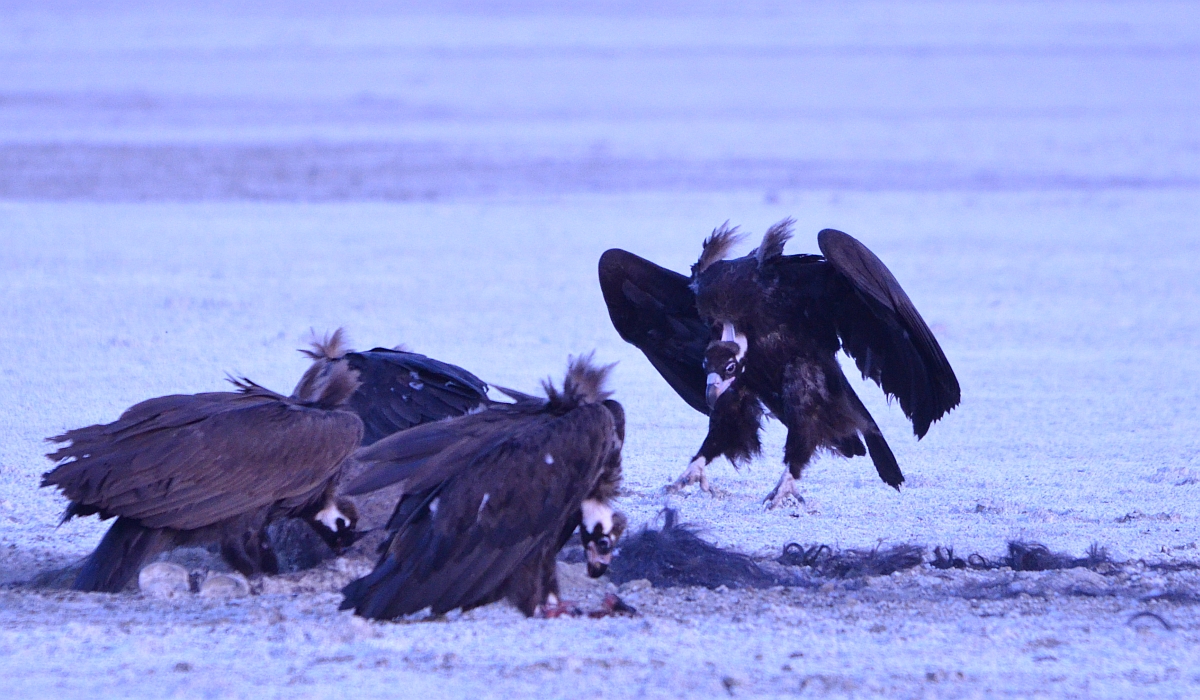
(189, 461)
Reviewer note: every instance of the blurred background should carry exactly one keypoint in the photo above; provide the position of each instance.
(401, 101)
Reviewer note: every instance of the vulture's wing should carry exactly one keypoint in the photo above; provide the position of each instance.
(428, 454)
(477, 529)
(185, 462)
(655, 309)
(402, 389)
(881, 329)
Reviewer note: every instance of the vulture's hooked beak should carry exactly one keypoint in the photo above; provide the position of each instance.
(716, 387)
(599, 556)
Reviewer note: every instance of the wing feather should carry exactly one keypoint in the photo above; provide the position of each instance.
(881, 329)
(654, 309)
(402, 389)
(187, 464)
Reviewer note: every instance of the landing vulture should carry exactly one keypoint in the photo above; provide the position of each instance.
(764, 330)
(398, 389)
(216, 467)
(490, 498)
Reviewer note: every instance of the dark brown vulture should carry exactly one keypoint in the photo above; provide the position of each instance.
(490, 498)
(216, 467)
(764, 330)
(398, 389)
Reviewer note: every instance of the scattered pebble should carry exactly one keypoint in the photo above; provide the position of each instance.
(634, 586)
(1080, 581)
(225, 586)
(164, 580)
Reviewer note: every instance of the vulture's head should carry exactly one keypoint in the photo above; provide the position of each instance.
(722, 364)
(600, 531)
(335, 524)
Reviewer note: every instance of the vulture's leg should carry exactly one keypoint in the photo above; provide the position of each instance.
(268, 563)
(804, 394)
(250, 553)
(784, 489)
(733, 428)
(694, 474)
(554, 606)
(120, 555)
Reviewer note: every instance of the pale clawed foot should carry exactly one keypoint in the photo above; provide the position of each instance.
(785, 489)
(553, 607)
(694, 474)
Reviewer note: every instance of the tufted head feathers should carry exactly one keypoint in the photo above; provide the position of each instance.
(329, 382)
(774, 240)
(716, 246)
(583, 384)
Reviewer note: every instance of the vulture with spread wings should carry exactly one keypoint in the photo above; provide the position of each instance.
(488, 500)
(215, 467)
(764, 330)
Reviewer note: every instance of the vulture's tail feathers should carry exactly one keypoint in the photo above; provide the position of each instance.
(117, 560)
(373, 596)
(885, 461)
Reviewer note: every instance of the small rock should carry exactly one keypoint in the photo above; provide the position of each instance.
(1028, 586)
(634, 586)
(225, 586)
(164, 580)
(1081, 581)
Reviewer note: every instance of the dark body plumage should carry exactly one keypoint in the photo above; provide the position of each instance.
(490, 498)
(215, 467)
(398, 389)
(767, 327)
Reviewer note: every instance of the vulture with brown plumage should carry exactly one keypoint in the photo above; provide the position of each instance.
(764, 330)
(215, 467)
(488, 500)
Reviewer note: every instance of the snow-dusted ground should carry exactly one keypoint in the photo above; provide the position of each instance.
(187, 193)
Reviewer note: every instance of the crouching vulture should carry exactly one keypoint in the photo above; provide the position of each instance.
(490, 498)
(764, 330)
(215, 467)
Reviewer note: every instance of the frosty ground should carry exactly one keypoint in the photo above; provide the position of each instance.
(186, 195)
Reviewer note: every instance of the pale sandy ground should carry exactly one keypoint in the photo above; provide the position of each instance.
(186, 194)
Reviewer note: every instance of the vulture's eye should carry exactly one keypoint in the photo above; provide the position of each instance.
(729, 368)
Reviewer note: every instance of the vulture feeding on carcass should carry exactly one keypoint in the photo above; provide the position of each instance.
(488, 500)
(215, 467)
(764, 330)
(398, 389)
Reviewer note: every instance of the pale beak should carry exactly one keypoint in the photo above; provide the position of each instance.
(716, 387)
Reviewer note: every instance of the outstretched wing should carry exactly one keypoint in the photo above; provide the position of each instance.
(654, 309)
(402, 389)
(460, 547)
(185, 462)
(881, 329)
